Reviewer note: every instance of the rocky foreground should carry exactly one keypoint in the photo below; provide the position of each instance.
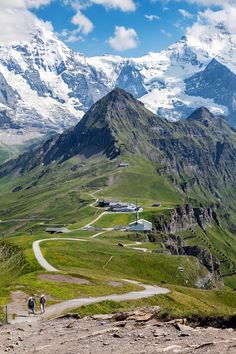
(136, 332)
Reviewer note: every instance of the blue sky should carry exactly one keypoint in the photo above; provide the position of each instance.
(125, 27)
(153, 34)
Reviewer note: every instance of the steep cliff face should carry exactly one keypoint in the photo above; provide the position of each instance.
(215, 82)
(176, 246)
(183, 218)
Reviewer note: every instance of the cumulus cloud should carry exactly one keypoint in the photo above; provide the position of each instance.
(18, 23)
(123, 5)
(84, 24)
(209, 20)
(123, 39)
(23, 4)
(152, 17)
(36, 3)
(225, 16)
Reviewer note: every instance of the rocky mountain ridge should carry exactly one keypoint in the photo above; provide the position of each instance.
(118, 124)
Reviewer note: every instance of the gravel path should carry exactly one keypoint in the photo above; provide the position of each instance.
(39, 256)
(148, 290)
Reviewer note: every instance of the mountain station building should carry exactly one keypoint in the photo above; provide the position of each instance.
(140, 225)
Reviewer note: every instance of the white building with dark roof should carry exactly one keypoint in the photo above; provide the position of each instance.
(140, 225)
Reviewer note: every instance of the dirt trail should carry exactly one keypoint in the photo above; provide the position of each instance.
(148, 290)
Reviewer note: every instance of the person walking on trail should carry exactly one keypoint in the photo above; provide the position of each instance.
(31, 305)
(42, 304)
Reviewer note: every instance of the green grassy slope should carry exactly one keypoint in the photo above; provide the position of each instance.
(61, 195)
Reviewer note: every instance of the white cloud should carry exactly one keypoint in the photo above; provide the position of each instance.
(12, 4)
(84, 24)
(17, 22)
(185, 13)
(22, 4)
(123, 5)
(123, 39)
(152, 17)
(209, 19)
(167, 34)
(36, 3)
(212, 2)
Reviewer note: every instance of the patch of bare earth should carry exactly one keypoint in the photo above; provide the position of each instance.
(136, 332)
(63, 279)
(115, 284)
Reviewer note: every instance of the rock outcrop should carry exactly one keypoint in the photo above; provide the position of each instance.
(177, 247)
(184, 218)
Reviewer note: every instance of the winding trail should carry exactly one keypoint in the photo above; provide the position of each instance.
(93, 222)
(148, 291)
(53, 310)
(57, 309)
(39, 256)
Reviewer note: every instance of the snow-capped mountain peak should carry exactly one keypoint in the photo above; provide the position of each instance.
(46, 86)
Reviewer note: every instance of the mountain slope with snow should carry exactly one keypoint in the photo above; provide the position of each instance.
(46, 87)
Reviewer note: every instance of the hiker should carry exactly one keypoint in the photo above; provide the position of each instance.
(42, 304)
(31, 305)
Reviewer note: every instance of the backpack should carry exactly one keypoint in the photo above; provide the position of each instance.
(42, 300)
(31, 303)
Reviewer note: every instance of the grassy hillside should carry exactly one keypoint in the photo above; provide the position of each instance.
(62, 195)
(182, 302)
(141, 180)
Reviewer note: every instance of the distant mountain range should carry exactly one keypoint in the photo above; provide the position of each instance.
(45, 86)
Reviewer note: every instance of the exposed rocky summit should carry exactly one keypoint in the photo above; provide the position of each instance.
(216, 82)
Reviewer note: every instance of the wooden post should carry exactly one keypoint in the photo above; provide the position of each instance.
(6, 314)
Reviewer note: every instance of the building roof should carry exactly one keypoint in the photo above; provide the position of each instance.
(56, 229)
(140, 221)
